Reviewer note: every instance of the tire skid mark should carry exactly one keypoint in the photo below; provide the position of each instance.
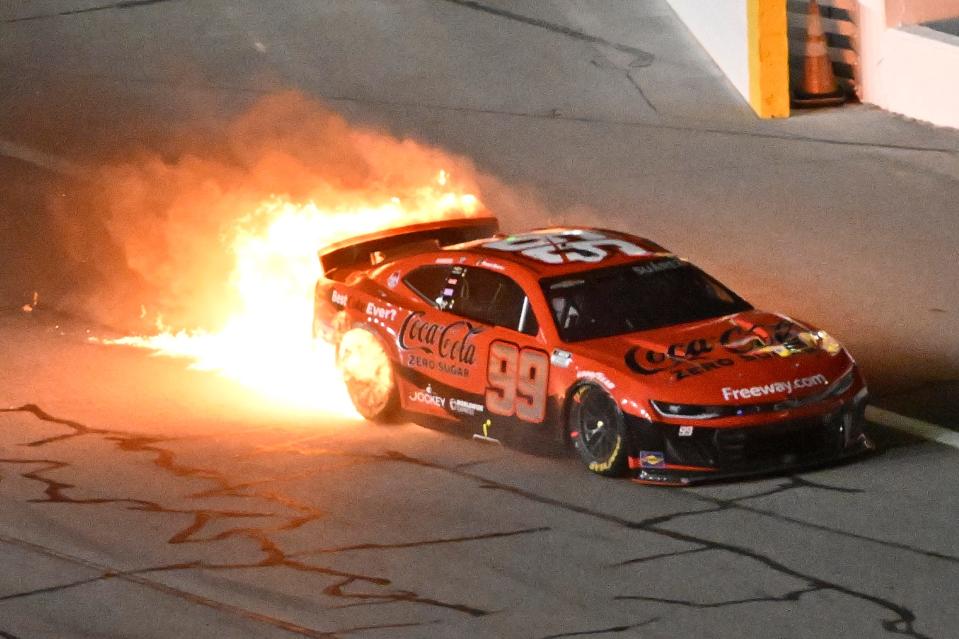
(272, 555)
(102, 577)
(604, 631)
(641, 58)
(420, 544)
(172, 591)
(121, 4)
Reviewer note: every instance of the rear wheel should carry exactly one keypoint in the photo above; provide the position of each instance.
(368, 374)
(596, 428)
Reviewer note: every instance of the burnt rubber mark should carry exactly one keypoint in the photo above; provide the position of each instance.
(420, 544)
(7, 635)
(122, 4)
(612, 630)
(297, 514)
(642, 58)
(78, 429)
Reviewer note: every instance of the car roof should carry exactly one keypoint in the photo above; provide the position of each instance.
(558, 251)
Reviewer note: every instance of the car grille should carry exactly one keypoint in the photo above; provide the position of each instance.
(779, 443)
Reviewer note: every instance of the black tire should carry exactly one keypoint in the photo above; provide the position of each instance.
(368, 374)
(595, 425)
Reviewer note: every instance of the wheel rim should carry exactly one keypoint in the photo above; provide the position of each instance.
(367, 372)
(595, 419)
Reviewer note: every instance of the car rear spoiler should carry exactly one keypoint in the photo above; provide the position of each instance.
(368, 250)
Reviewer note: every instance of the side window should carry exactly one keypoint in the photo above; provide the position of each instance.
(434, 283)
(494, 299)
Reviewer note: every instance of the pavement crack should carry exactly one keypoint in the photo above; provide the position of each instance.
(338, 590)
(641, 58)
(793, 483)
(662, 555)
(789, 596)
(899, 619)
(902, 623)
(639, 89)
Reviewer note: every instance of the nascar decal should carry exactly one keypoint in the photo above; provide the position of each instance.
(652, 459)
(566, 246)
(427, 397)
(698, 356)
(465, 407)
(447, 348)
(775, 388)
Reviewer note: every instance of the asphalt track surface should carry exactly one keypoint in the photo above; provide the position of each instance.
(139, 498)
(143, 499)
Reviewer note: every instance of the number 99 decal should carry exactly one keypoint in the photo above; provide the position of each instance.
(516, 381)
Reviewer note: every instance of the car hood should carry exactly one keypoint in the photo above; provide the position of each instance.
(746, 358)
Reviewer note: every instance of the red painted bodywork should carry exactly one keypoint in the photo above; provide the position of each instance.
(665, 367)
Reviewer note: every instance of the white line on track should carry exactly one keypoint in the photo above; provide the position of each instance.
(913, 426)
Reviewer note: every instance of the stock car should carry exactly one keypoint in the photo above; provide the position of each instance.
(588, 338)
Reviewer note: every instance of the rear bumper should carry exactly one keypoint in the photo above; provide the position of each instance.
(662, 456)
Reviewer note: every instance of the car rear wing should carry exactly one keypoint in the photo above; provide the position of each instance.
(369, 250)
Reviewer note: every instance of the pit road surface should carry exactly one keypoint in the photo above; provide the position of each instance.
(143, 499)
(138, 498)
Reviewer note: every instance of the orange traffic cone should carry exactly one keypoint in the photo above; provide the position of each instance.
(819, 87)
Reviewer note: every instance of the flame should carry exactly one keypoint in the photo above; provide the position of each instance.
(266, 342)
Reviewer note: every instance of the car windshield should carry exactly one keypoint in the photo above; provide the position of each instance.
(636, 297)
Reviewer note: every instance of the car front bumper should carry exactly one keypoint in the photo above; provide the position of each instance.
(668, 454)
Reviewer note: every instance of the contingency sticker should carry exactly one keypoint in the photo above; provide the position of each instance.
(652, 459)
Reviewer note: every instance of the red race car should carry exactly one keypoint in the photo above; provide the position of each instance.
(602, 340)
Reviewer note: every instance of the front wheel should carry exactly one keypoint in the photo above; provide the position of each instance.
(368, 374)
(595, 426)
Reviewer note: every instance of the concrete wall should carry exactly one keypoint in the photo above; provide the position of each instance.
(909, 69)
(899, 12)
(722, 29)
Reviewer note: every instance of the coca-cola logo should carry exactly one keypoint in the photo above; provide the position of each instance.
(698, 356)
(452, 342)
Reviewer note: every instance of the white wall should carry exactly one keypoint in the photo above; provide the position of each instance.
(900, 12)
(721, 27)
(909, 70)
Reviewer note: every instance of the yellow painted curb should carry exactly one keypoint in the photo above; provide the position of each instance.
(768, 58)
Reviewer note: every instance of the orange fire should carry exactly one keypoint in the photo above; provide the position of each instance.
(266, 343)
